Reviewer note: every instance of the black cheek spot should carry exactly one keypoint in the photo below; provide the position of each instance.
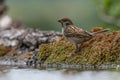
(67, 24)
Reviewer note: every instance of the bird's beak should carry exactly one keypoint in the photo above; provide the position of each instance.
(60, 21)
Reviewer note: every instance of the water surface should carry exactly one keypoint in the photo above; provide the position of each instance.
(52, 74)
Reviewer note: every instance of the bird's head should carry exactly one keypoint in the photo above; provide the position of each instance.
(65, 22)
(3, 9)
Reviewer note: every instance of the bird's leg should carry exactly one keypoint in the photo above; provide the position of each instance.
(76, 48)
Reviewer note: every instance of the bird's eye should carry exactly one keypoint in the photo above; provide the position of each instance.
(67, 23)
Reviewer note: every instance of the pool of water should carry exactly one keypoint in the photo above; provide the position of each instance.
(53, 74)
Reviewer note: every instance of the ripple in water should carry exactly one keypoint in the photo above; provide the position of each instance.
(33, 74)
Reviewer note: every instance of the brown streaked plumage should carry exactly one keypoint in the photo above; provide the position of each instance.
(74, 34)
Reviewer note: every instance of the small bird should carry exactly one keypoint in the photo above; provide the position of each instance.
(76, 35)
(5, 20)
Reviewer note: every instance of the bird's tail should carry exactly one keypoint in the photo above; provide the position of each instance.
(101, 31)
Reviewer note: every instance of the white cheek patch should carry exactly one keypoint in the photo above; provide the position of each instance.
(65, 24)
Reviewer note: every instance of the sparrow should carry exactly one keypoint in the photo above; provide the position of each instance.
(76, 35)
(5, 20)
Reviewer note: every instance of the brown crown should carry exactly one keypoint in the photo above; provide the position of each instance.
(65, 19)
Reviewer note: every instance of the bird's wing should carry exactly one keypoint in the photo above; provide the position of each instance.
(73, 31)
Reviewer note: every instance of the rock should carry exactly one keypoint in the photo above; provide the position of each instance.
(33, 61)
(27, 38)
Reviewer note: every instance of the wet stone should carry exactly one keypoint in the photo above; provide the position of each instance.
(27, 38)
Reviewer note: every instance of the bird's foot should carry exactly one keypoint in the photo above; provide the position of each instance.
(72, 53)
(77, 51)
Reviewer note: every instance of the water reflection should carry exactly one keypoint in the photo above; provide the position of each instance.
(34, 74)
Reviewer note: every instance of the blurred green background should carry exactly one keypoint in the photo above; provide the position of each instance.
(43, 14)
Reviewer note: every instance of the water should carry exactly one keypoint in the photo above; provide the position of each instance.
(52, 74)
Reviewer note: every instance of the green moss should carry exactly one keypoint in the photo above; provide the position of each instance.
(101, 49)
(4, 50)
(55, 52)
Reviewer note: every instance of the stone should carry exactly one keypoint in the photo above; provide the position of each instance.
(27, 38)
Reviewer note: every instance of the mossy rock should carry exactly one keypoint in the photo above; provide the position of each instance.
(101, 49)
(4, 50)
